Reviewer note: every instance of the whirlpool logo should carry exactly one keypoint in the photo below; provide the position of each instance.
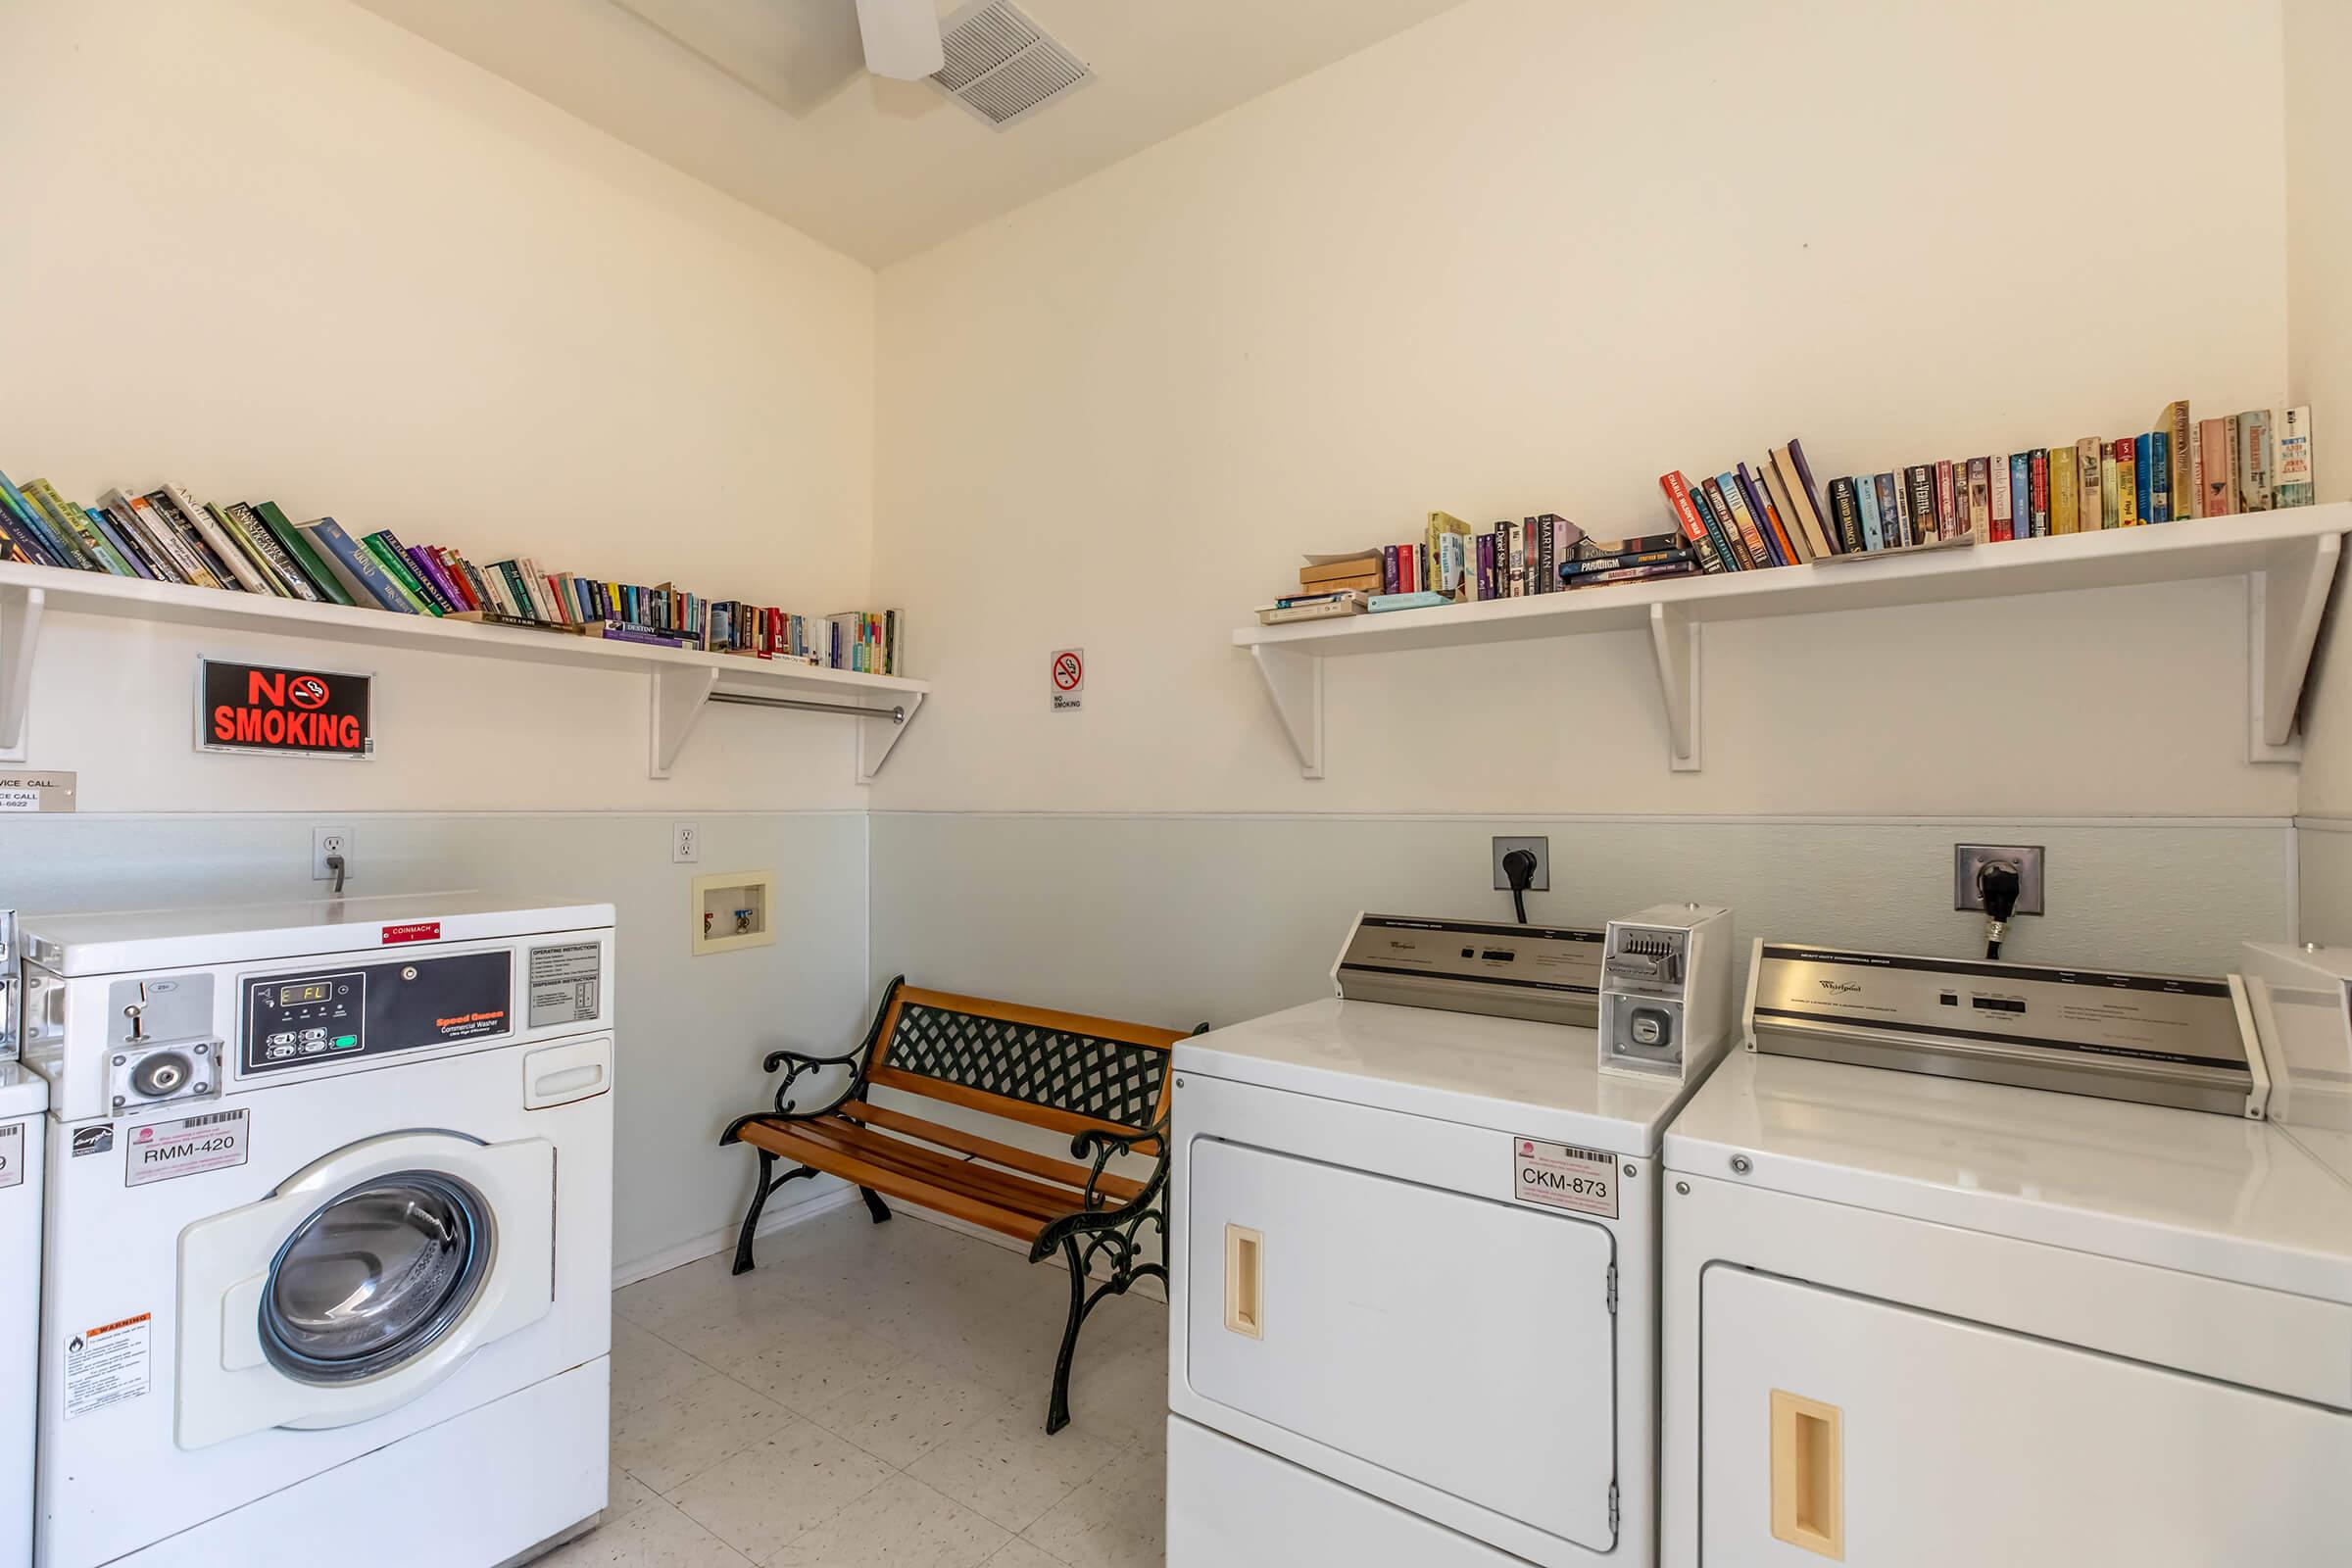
(1838, 987)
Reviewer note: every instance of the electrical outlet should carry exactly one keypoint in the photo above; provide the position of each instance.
(685, 844)
(1968, 858)
(1540, 848)
(326, 841)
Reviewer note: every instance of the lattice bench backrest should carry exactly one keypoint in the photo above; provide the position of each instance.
(1060, 1070)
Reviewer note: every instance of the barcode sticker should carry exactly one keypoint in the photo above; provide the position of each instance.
(163, 1151)
(1562, 1176)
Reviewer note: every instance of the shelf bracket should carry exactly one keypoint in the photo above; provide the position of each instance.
(876, 740)
(19, 637)
(2284, 605)
(1294, 686)
(1674, 643)
(680, 693)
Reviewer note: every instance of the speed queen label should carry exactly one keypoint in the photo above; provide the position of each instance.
(1563, 1176)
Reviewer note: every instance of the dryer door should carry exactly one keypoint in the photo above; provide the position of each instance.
(362, 1282)
(1464, 1342)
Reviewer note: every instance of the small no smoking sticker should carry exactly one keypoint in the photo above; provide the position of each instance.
(1068, 678)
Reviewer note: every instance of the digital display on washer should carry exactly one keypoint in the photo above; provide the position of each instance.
(296, 1020)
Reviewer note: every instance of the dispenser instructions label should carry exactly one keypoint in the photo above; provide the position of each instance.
(107, 1364)
(12, 1155)
(1563, 1176)
(564, 983)
(161, 1151)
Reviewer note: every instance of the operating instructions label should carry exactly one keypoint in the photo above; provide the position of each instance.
(564, 983)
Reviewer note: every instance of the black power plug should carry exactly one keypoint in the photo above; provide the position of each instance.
(1998, 882)
(1519, 870)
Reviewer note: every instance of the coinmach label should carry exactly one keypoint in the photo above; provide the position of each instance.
(1563, 1176)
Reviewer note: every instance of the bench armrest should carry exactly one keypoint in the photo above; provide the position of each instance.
(1103, 1145)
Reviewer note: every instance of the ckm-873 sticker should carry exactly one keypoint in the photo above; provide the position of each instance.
(1563, 1176)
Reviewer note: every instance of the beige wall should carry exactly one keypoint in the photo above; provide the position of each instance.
(279, 248)
(2319, 195)
(1528, 255)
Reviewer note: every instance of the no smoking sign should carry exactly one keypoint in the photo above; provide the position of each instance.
(1068, 681)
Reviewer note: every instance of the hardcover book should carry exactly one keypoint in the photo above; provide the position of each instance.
(1919, 480)
(2003, 522)
(1848, 515)
(1809, 496)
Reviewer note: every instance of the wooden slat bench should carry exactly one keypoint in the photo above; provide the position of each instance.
(1104, 1082)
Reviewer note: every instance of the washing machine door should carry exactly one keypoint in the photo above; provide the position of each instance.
(361, 1283)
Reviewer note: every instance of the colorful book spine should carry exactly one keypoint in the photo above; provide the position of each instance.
(261, 548)
(2294, 481)
(1687, 517)
(1725, 533)
(2065, 485)
(27, 534)
(2091, 513)
(299, 548)
(1809, 495)
(2254, 461)
(1951, 497)
(2160, 475)
(2173, 425)
(2003, 521)
(1919, 483)
(1768, 519)
(2127, 483)
(1847, 513)
(393, 557)
(1866, 505)
(2038, 490)
(123, 542)
(1726, 486)
(361, 577)
(71, 522)
(2143, 469)
(1980, 498)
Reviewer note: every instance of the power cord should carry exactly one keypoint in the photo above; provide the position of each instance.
(334, 863)
(1997, 882)
(1519, 870)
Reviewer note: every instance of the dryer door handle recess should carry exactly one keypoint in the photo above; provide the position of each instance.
(1245, 1282)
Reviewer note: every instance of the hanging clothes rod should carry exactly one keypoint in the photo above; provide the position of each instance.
(897, 715)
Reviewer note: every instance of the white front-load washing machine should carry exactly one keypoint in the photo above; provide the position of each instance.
(23, 1140)
(329, 1231)
(1915, 1319)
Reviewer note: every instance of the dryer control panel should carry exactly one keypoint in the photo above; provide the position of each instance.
(293, 1020)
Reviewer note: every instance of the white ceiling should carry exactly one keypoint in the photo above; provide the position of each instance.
(881, 170)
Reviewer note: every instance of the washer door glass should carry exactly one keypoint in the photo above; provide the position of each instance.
(376, 1277)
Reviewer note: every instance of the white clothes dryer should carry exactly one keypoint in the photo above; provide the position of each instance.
(1412, 1314)
(1912, 1320)
(329, 1232)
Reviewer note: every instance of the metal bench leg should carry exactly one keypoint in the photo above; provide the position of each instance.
(751, 1216)
(1058, 1414)
(874, 1205)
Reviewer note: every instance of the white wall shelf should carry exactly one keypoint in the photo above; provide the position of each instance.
(2288, 560)
(682, 681)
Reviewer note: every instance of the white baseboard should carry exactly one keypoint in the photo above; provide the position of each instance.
(833, 1196)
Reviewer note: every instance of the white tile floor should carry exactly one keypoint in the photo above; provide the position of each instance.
(875, 1395)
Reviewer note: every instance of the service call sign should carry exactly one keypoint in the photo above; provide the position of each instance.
(283, 712)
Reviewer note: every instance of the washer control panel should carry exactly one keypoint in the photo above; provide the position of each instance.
(297, 1020)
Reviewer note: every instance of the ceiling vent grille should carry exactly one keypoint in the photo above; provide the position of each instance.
(1001, 66)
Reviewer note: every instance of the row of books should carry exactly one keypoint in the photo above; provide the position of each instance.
(2181, 469)
(1452, 565)
(167, 535)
